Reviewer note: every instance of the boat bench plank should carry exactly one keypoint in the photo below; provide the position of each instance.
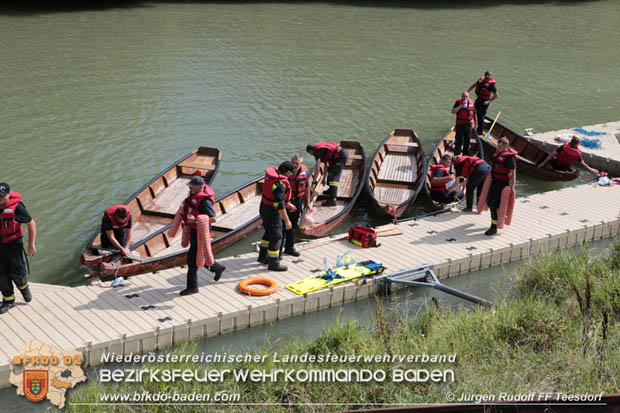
(240, 214)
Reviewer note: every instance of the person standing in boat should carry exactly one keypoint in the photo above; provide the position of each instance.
(440, 178)
(13, 265)
(466, 123)
(335, 157)
(563, 158)
(298, 182)
(116, 228)
(486, 92)
(199, 202)
(472, 171)
(276, 196)
(504, 173)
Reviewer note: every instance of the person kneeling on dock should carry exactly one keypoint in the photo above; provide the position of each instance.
(440, 177)
(276, 195)
(12, 263)
(563, 158)
(116, 228)
(298, 182)
(504, 173)
(472, 171)
(335, 157)
(199, 203)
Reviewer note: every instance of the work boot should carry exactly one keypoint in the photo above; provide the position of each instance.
(217, 269)
(274, 265)
(26, 293)
(6, 305)
(492, 230)
(292, 251)
(262, 255)
(192, 285)
(329, 202)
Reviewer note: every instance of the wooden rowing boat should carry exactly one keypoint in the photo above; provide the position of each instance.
(530, 155)
(326, 219)
(396, 173)
(446, 146)
(236, 215)
(154, 205)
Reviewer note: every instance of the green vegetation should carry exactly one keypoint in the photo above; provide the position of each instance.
(560, 332)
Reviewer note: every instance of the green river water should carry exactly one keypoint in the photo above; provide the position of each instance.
(96, 101)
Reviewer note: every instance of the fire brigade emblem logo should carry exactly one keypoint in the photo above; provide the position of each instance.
(36, 384)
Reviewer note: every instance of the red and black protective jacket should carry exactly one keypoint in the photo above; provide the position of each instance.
(298, 182)
(442, 186)
(465, 116)
(192, 202)
(483, 86)
(333, 151)
(500, 171)
(469, 164)
(115, 223)
(10, 229)
(271, 177)
(568, 155)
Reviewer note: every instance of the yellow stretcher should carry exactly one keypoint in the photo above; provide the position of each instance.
(336, 276)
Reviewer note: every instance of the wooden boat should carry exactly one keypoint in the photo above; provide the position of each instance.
(530, 155)
(446, 146)
(326, 219)
(396, 173)
(155, 204)
(236, 215)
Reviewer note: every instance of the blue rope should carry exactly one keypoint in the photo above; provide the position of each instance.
(589, 133)
(591, 143)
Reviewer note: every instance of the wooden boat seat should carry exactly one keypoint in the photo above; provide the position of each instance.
(239, 214)
(192, 165)
(399, 167)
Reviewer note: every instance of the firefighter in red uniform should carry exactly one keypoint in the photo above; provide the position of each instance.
(336, 157)
(116, 228)
(276, 195)
(440, 176)
(13, 214)
(200, 201)
(504, 173)
(563, 158)
(473, 172)
(299, 198)
(465, 119)
(485, 87)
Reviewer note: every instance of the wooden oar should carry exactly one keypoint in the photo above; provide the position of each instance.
(491, 128)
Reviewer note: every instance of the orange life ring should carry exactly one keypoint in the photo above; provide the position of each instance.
(272, 286)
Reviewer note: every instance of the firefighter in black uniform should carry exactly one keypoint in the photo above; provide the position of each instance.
(276, 195)
(200, 201)
(504, 173)
(336, 157)
(13, 214)
(485, 87)
(299, 198)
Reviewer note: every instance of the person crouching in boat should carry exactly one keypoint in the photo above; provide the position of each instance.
(563, 158)
(13, 266)
(440, 177)
(116, 228)
(466, 123)
(335, 157)
(199, 202)
(276, 196)
(504, 173)
(472, 171)
(298, 182)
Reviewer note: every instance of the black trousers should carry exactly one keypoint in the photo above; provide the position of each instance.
(334, 171)
(481, 110)
(443, 197)
(192, 268)
(119, 234)
(272, 222)
(475, 183)
(289, 235)
(462, 134)
(12, 269)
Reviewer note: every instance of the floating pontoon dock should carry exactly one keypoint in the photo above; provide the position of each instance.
(147, 312)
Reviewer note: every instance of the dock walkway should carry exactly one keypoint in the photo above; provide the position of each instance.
(147, 312)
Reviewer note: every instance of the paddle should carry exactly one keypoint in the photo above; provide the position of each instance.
(491, 128)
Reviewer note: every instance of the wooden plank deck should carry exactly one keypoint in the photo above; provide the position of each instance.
(399, 167)
(147, 313)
